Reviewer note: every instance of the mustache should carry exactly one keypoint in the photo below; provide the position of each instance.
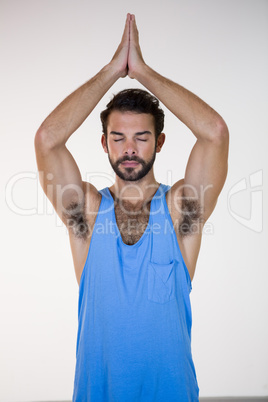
(129, 159)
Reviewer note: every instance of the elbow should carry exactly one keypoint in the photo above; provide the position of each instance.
(43, 139)
(220, 133)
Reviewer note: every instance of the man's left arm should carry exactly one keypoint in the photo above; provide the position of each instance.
(207, 166)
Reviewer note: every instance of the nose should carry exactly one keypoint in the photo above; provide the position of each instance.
(130, 148)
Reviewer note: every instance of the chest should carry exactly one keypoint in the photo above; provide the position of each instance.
(132, 222)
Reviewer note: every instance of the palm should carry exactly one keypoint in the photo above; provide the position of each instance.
(120, 58)
(128, 57)
(135, 59)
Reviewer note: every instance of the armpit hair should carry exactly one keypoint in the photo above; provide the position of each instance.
(191, 217)
(76, 220)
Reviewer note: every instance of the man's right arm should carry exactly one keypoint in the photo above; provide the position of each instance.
(59, 175)
(71, 113)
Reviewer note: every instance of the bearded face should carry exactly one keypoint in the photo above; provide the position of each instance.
(130, 144)
(132, 168)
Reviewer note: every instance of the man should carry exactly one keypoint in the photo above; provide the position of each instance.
(135, 245)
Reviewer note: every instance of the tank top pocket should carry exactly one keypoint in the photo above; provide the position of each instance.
(161, 282)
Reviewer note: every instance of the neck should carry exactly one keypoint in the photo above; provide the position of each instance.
(135, 191)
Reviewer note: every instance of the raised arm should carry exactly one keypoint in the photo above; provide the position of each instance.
(71, 113)
(207, 165)
(59, 175)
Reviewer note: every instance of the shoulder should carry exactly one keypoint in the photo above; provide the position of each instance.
(174, 194)
(92, 202)
(92, 195)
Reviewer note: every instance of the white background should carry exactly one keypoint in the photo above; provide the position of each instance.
(218, 50)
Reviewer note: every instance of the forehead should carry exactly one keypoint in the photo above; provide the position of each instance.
(128, 121)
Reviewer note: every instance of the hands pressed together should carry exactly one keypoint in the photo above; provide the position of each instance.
(128, 59)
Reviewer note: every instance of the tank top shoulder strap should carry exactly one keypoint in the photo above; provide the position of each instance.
(105, 192)
(107, 202)
(158, 201)
(159, 225)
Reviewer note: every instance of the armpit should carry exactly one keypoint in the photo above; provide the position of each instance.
(191, 217)
(76, 220)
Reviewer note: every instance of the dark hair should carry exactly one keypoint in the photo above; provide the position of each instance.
(137, 101)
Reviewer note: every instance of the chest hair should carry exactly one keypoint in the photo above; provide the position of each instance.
(132, 221)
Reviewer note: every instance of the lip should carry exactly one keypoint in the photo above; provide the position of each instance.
(130, 163)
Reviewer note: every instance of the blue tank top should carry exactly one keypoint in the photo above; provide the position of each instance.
(134, 314)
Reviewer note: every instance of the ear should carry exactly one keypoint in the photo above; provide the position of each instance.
(160, 141)
(104, 144)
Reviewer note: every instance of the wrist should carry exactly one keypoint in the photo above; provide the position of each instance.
(112, 71)
(140, 72)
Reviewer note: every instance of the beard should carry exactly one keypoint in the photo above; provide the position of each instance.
(129, 173)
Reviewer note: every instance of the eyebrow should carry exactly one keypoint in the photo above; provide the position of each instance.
(139, 133)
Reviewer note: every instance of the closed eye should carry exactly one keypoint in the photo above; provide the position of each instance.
(139, 139)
